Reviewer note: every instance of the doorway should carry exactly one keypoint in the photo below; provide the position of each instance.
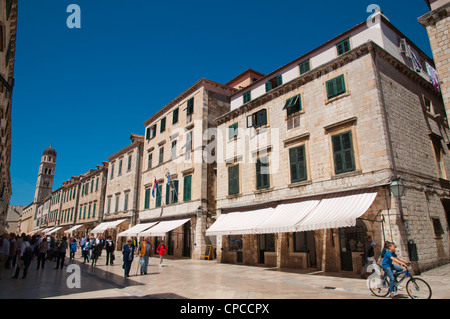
(266, 242)
(170, 243)
(305, 242)
(351, 239)
(187, 239)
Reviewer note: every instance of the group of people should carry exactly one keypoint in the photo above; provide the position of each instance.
(386, 261)
(17, 252)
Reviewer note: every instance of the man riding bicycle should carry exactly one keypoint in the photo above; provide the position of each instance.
(390, 268)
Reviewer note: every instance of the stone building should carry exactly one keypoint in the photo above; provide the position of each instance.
(8, 24)
(437, 23)
(122, 185)
(176, 140)
(27, 219)
(308, 154)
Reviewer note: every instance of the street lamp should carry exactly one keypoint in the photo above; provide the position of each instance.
(397, 188)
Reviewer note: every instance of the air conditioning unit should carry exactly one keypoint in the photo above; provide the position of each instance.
(404, 48)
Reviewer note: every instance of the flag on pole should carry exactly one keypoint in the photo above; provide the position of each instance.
(155, 187)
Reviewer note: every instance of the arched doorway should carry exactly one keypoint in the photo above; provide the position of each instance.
(351, 240)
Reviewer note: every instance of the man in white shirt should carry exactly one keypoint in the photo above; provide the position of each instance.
(4, 252)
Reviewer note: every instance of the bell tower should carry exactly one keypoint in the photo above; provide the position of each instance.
(46, 174)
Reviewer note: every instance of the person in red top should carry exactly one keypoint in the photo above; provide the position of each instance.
(161, 250)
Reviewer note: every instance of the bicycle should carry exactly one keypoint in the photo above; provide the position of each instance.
(417, 288)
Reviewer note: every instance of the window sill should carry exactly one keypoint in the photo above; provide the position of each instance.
(264, 190)
(347, 174)
(234, 196)
(335, 98)
(301, 183)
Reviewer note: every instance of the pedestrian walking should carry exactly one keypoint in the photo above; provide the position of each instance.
(161, 250)
(11, 262)
(26, 255)
(96, 249)
(86, 250)
(128, 255)
(4, 252)
(42, 253)
(110, 246)
(145, 251)
(61, 253)
(369, 257)
(73, 249)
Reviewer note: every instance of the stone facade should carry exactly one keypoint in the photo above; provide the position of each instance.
(8, 24)
(437, 23)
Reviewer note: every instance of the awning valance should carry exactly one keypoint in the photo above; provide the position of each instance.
(54, 230)
(163, 227)
(136, 230)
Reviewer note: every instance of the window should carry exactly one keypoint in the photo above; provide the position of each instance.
(117, 204)
(130, 158)
(125, 203)
(437, 226)
(109, 206)
(190, 106)
(188, 142)
(293, 105)
(172, 192)
(161, 155)
(297, 161)
(93, 210)
(163, 125)
(187, 188)
(233, 180)
(89, 211)
(151, 132)
(233, 130)
(335, 86)
(81, 210)
(247, 96)
(149, 160)
(96, 184)
(84, 212)
(158, 195)
(174, 149)
(343, 46)
(262, 172)
(120, 167)
(112, 171)
(257, 119)
(274, 82)
(147, 198)
(439, 157)
(304, 67)
(175, 116)
(343, 153)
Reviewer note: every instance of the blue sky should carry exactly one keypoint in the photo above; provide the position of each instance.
(87, 90)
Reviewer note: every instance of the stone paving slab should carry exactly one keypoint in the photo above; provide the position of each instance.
(197, 279)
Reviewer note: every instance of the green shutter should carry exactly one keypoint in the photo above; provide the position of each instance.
(343, 153)
(158, 195)
(175, 192)
(175, 116)
(247, 97)
(187, 188)
(343, 46)
(93, 210)
(233, 180)
(297, 164)
(167, 194)
(304, 67)
(190, 106)
(163, 125)
(268, 86)
(279, 80)
(262, 179)
(233, 130)
(147, 198)
(335, 86)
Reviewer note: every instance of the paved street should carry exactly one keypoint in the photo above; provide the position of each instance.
(196, 279)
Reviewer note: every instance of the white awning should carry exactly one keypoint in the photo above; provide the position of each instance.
(70, 230)
(239, 223)
(285, 217)
(136, 229)
(47, 229)
(53, 231)
(338, 210)
(163, 227)
(105, 226)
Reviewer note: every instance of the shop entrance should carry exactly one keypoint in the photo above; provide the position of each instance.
(305, 242)
(266, 242)
(351, 240)
(187, 239)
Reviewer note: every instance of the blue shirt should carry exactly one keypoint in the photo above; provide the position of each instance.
(387, 261)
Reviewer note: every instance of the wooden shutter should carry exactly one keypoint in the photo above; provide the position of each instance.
(147, 198)
(343, 153)
(175, 116)
(279, 80)
(268, 86)
(233, 180)
(187, 188)
(175, 192)
(158, 195)
(297, 164)
(167, 194)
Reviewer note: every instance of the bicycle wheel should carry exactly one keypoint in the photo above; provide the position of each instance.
(418, 289)
(379, 286)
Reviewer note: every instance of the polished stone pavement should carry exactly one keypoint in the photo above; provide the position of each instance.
(197, 279)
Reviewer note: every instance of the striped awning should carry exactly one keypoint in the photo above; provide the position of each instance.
(54, 230)
(136, 230)
(322, 212)
(107, 225)
(70, 230)
(240, 223)
(163, 227)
